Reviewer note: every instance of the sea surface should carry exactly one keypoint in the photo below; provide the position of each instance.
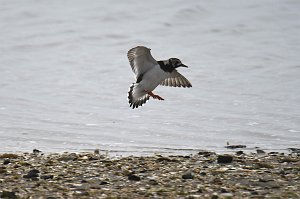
(64, 75)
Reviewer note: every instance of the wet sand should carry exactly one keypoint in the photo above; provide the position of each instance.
(202, 175)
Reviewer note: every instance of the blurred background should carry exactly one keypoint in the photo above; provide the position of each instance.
(64, 75)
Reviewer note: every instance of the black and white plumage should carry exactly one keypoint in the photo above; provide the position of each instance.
(150, 73)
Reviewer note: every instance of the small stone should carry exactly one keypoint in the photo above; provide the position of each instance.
(133, 177)
(254, 193)
(206, 153)
(265, 179)
(36, 151)
(202, 173)
(153, 182)
(97, 151)
(226, 195)
(164, 159)
(24, 163)
(8, 194)
(235, 146)
(126, 172)
(224, 159)
(294, 150)
(84, 158)
(287, 159)
(188, 175)
(259, 151)
(104, 183)
(82, 193)
(223, 190)
(34, 171)
(264, 165)
(194, 196)
(68, 157)
(239, 152)
(93, 158)
(32, 174)
(46, 177)
(2, 170)
(221, 170)
(214, 196)
(8, 155)
(273, 153)
(6, 161)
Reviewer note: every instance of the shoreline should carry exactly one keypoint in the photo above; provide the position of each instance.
(201, 175)
(229, 149)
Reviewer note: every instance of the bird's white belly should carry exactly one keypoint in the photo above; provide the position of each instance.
(153, 78)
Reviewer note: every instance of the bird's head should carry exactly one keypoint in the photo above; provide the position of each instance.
(175, 63)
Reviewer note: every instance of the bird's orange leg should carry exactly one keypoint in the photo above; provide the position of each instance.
(154, 96)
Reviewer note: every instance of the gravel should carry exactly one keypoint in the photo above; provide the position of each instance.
(202, 175)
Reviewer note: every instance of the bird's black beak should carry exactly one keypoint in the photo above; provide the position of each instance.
(182, 65)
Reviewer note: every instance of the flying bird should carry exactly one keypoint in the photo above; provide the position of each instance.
(150, 73)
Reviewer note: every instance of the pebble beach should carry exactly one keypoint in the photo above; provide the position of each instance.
(201, 175)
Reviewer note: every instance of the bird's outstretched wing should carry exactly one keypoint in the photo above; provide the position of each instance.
(140, 60)
(176, 80)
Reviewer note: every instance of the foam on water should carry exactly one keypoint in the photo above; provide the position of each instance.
(65, 75)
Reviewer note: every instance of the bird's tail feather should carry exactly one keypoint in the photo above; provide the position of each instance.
(137, 96)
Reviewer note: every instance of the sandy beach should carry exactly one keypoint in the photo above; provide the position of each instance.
(202, 175)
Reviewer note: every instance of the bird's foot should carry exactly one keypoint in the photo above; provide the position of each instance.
(154, 96)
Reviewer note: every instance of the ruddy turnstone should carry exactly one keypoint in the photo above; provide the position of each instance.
(150, 73)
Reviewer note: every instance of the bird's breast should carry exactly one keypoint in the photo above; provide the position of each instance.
(152, 78)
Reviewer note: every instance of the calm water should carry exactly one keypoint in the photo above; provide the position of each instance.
(64, 75)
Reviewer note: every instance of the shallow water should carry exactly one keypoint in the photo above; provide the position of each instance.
(65, 75)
